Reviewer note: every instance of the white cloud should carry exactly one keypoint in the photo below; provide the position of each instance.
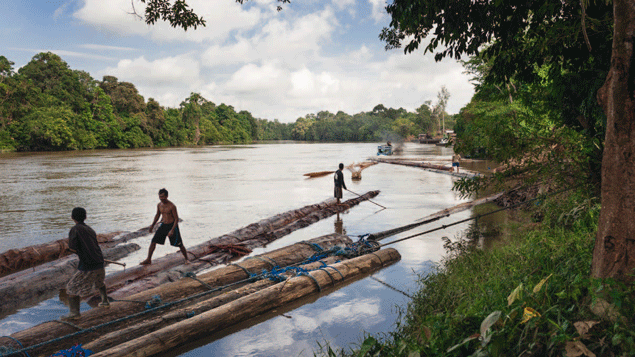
(255, 79)
(91, 46)
(277, 65)
(378, 11)
(222, 17)
(168, 80)
(60, 11)
(348, 5)
(64, 53)
(165, 71)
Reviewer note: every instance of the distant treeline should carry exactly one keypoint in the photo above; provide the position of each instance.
(47, 106)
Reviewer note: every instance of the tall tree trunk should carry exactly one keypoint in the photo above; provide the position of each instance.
(614, 253)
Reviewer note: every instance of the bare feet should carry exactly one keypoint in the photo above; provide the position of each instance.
(146, 262)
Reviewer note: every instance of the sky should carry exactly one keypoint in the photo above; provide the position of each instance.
(314, 55)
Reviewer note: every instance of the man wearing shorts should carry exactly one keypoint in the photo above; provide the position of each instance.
(456, 158)
(90, 271)
(169, 227)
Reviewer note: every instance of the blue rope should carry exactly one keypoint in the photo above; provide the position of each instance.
(329, 274)
(334, 268)
(6, 351)
(250, 276)
(262, 258)
(154, 302)
(314, 279)
(75, 351)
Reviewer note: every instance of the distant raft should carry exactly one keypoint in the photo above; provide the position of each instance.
(318, 174)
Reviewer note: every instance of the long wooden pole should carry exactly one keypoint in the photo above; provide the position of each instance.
(435, 216)
(367, 200)
(249, 306)
(105, 260)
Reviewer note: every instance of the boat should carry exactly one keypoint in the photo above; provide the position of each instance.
(384, 150)
(443, 142)
(427, 139)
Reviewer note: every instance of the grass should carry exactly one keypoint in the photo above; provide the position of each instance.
(532, 296)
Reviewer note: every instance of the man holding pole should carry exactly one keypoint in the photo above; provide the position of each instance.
(82, 240)
(339, 183)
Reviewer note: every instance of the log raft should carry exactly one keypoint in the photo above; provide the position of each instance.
(249, 306)
(170, 292)
(448, 170)
(171, 267)
(172, 316)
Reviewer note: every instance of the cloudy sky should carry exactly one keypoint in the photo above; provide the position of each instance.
(314, 55)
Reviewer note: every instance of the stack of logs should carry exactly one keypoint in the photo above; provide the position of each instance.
(196, 307)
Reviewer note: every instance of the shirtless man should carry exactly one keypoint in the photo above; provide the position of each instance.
(169, 227)
(456, 159)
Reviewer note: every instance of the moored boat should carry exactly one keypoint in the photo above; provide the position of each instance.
(384, 150)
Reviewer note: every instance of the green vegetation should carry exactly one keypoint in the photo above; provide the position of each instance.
(47, 106)
(553, 104)
(530, 296)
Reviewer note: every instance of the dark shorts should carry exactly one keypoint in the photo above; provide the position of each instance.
(455, 164)
(162, 232)
(338, 192)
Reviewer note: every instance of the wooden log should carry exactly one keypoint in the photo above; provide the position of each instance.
(14, 260)
(246, 307)
(26, 288)
(318, 174)
(171, 267)
(181, 313)
(292, 254)
(435, 216)
(414, 164)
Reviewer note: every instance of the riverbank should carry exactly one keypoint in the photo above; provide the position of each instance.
(532, 296)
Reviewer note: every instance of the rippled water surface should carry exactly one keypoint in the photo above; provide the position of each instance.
(218, 189)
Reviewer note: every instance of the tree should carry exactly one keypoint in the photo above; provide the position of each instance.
(177, 15)
(439, 108)
(531, 34)
(614, 253)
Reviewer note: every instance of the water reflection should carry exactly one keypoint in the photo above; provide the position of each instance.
(339, 225)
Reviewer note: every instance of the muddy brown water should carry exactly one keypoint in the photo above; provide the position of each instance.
(218, 189)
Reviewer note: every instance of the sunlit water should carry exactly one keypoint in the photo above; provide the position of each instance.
(218, 189)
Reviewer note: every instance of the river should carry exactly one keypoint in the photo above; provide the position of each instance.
(218, 189)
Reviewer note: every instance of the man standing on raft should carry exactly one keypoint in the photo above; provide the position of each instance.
(82, 240)
(169, 227)
(339, 183)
